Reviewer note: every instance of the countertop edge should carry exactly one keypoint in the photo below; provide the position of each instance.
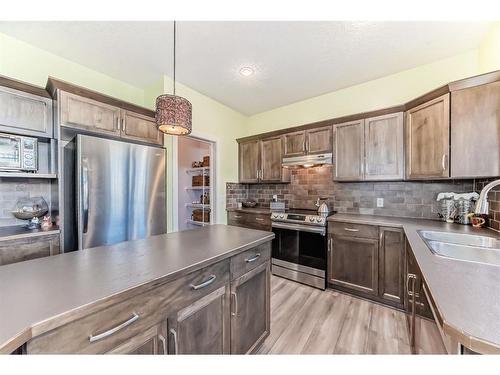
(30, 235)
(38, 328)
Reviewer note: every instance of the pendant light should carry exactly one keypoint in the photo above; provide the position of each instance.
(173, 113)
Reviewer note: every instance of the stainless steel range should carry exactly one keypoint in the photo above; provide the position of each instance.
(300, 246)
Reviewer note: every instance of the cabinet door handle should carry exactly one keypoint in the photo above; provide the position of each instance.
(204, 284)
(443, 161)
(351, 230)
(329, 245)
(237, 216)
(163, 343)
(174, 336)
(234, 296)
(109, 332)
(118, 124)
(253, 259)
(259, 219)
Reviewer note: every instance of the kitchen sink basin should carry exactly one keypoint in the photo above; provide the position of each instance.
(461, 239)
(467, 247)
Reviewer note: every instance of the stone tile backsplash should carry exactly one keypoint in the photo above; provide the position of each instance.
(494, 204)
(12, 189)
(408, 199)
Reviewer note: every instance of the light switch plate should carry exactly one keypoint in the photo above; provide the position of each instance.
(380, 202)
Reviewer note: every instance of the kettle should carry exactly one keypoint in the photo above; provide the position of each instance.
(322, 206)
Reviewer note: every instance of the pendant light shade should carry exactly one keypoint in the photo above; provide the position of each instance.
(173, 113)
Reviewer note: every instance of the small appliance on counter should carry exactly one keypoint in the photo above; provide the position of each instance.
(31, 209)
(457, 207)
(323, 208)
(18, 153)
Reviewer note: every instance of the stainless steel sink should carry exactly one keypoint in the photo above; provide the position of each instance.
(468, 247)
(461, 239)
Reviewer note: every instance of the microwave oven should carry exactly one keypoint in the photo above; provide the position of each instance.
(18, 153)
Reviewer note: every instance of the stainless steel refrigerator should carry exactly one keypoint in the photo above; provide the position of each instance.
(120, 191)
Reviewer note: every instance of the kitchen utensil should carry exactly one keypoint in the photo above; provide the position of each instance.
(322, 206)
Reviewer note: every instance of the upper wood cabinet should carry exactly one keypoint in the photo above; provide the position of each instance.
(427, 140)
(304, 142)
(295, 143)
(319, 141)
(249, 161)
(25, 113)
(91, 115)
(349, 151)
(140, 128)
(475, 131)
(87, 114)
(260, 161)
(384, 149)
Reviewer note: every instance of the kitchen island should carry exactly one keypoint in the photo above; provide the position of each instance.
(198, 291)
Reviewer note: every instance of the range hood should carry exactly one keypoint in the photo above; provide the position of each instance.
(307, 161)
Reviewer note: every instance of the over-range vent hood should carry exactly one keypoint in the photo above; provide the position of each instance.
(307, 161)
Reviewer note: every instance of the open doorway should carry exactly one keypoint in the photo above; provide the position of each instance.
(196, 181)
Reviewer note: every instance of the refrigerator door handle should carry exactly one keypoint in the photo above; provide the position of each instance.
(85, 193)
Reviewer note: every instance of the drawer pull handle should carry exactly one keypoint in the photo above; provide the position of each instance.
(259, 219)
(174, 336)
(351, 230)
(163, 343)
(210, 280)
(237, 217)
(235, 299)
(109, 332)
(253, 259)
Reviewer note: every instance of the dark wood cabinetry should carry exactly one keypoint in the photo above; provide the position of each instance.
(260, 161)
(295, 143)
(201, 327)
(140, 128)
(354, 264)
(308, 142)
(475, 131)
(349, 151)
(414, 280)
(427, 140)
(368, 261)
(249, 220)
(18, 250)
(392, 266)
(250, 309)
(151, 341)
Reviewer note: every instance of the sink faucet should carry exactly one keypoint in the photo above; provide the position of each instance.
(482, 202)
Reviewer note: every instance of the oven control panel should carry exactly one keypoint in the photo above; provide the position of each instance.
(298, 218)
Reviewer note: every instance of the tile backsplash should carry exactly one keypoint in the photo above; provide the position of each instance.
(494, 204)
(402, 198)
(12, 189)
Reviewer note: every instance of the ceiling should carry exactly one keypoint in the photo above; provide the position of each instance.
(293, 61)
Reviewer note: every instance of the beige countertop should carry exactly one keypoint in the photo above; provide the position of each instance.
(467, 294)
(38, 290)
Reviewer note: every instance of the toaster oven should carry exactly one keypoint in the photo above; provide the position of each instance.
(18, 153)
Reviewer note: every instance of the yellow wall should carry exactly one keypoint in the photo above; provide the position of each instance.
(377, 94)
(27, 63)
(489, 50)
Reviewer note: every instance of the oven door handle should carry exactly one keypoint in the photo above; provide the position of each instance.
(300, 228)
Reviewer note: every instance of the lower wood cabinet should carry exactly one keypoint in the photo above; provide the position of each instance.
(151, 341)
(18, 250)
(392, 266)
(353, 264)
(201, 327)
(250, 309)
(367, 261)
(249, 220)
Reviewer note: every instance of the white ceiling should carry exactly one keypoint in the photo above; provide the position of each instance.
(293, 60)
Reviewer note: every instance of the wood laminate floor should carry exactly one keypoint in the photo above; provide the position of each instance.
(306, 320)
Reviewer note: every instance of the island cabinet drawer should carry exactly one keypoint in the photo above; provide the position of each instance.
(250, 259)
(111, 327)
(353, 230)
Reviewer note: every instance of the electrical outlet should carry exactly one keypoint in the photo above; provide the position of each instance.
(380, 202)
(275, 198)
